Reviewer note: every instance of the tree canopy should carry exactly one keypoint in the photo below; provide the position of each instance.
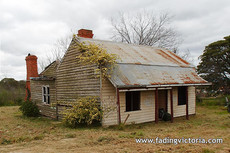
(215, 65)
(12, 92)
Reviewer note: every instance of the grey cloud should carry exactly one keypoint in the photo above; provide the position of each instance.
(34, 26)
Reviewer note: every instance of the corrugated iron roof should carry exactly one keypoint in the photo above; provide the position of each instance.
(132, 75)
(143, 66)
(139, 54)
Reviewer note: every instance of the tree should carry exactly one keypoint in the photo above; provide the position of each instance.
(12, 92)
(215, 65)
(144, 28)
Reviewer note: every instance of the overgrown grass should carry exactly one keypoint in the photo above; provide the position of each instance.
(28, 134)
(17, 128)
(8, 98)
(137, 134)
(213, 101)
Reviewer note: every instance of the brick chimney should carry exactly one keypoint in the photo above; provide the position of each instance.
(85, 33)
(32, 71)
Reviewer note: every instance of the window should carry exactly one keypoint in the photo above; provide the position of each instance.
(46, 94)
(182, 95)
(132, 100)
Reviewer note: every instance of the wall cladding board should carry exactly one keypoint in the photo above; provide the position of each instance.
(180, 110)
(48, 111)
(147, 106)
(74, 79)
(109, 102)
(50, 71)
(36, 96)
(36, 90)
(147, 112)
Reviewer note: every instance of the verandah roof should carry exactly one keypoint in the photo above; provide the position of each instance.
(133, 75)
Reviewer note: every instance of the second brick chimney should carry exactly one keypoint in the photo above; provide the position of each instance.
(85, 33)
(32, 71)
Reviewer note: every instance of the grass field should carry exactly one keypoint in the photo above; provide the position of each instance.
(20, 134)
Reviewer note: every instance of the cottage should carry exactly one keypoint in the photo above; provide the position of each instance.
(144, 80)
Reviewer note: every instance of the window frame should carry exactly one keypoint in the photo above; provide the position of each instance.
(182, 95)
(138, 107)
(46, 94)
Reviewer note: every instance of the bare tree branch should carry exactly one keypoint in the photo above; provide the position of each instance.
(56, 53)
(144, 28)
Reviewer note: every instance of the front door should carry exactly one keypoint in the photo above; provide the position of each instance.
(162, 99)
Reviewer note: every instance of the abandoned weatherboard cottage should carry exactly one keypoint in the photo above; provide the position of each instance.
(144, 80)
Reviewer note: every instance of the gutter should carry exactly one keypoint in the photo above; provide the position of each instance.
(146, 87)
(143, 89)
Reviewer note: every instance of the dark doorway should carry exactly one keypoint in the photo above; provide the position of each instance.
(162, 100)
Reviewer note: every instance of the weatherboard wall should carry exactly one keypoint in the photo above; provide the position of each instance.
(147, 112)
(75, 80)
(109, 103)
(50, 71)
(180, 110)
(36, 96)
(36, 90)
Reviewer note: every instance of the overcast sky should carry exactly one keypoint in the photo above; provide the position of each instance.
(33, 26)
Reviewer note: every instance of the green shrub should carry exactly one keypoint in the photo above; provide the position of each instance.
(29, 109)
(18, 101)
(85, 112)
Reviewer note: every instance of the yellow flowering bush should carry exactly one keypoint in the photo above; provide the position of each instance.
(95, 54)
(85, 111)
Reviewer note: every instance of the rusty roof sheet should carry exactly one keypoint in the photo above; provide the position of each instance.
(132, 75)
(143, 66)
(139, 54)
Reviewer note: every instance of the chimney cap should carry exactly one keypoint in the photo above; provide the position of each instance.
(31, 57)
(85, 33)
(85, 30)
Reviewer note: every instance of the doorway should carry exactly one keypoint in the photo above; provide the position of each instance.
(163, 100)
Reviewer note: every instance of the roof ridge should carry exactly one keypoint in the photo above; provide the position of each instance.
(115, 42)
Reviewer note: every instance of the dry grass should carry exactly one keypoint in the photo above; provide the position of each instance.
(19, 134)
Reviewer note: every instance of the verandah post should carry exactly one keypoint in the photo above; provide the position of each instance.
(171, 100)
(156, 105)
(187, 117)
(118, 107)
